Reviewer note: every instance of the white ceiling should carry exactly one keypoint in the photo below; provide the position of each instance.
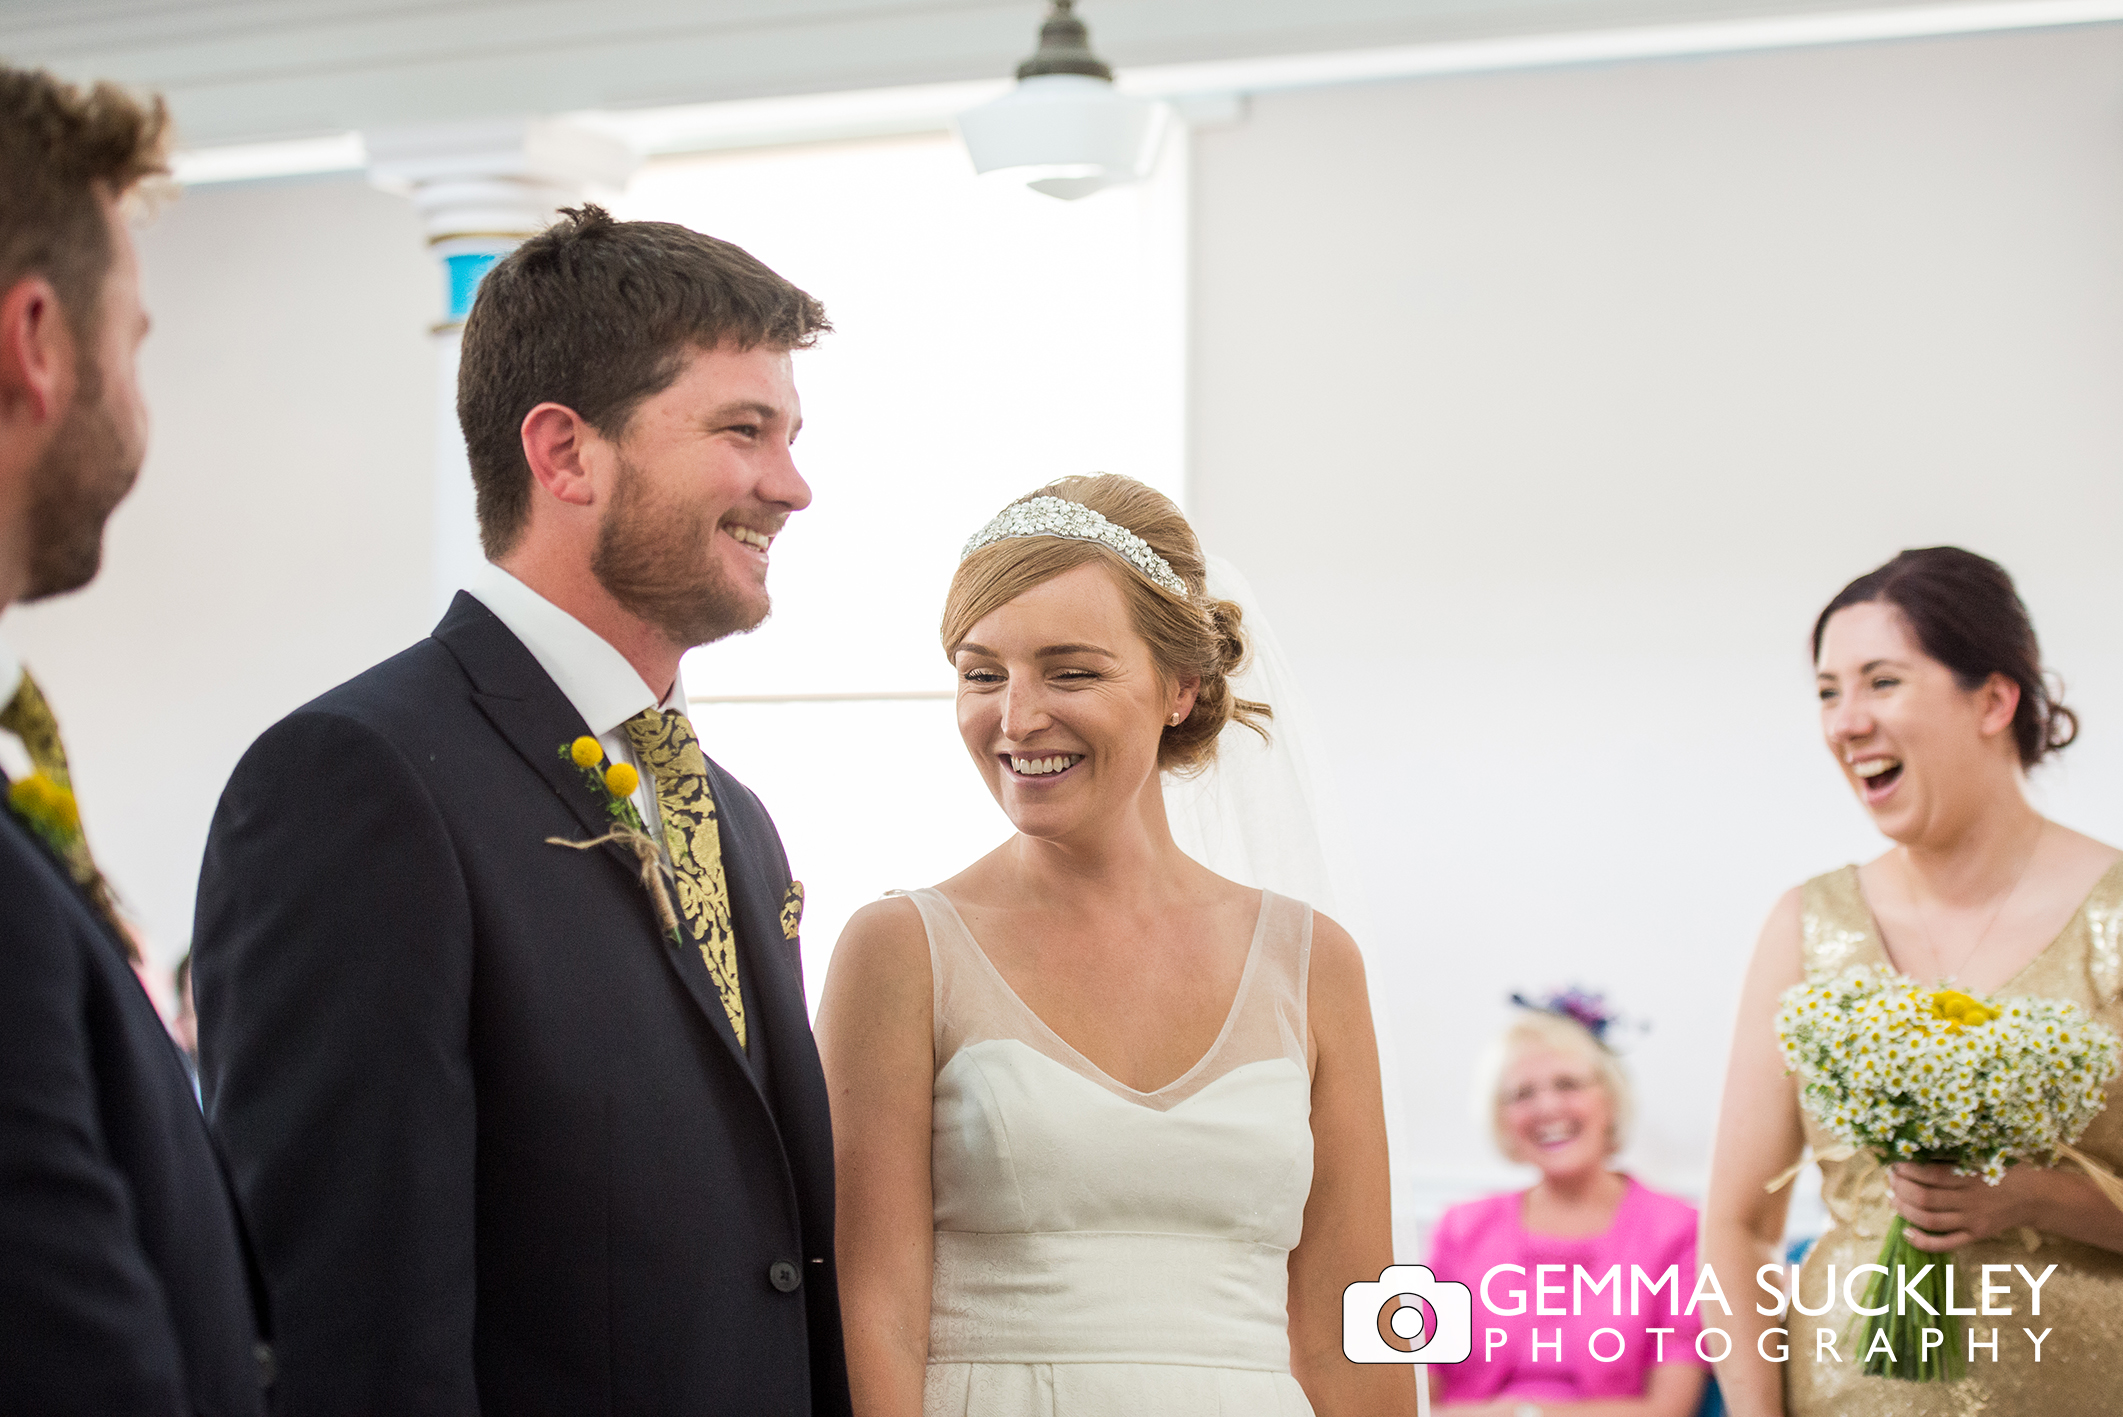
(242, 70)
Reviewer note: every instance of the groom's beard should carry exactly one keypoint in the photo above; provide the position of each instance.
(74, 488)
(657, 559)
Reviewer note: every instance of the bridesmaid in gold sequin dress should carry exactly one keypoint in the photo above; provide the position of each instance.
(1933, 703)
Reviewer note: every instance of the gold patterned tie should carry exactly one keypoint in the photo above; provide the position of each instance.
(29, 718)
(665, 746)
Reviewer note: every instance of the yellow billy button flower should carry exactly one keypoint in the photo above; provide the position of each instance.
(620, 780)
(586, 751)
(45, 802)
(1958, 1009)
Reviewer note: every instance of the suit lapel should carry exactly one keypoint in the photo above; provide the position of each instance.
(537, 728)
(755, 903)
(105, 925)
(528, 710)
(774, 997)
(755, 910)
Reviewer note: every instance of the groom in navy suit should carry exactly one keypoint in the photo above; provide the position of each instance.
(502, 1024)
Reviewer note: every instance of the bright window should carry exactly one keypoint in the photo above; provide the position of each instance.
(987, 340)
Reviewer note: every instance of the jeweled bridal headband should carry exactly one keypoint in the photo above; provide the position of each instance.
(1073, 521)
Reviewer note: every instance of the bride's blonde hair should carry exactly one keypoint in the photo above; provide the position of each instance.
(1187, 635)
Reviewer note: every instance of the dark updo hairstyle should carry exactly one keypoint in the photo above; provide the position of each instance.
(1191, 635)
(1966, 614)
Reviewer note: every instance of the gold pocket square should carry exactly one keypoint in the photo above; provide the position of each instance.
(791, 910)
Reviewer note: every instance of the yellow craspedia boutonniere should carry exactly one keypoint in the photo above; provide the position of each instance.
(614, 785)
(46, 808)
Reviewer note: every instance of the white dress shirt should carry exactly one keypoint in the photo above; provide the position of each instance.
(596, 678)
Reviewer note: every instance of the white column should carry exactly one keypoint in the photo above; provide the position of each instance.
(480, 189)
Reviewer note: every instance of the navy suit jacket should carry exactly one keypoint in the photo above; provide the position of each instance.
(496, 1137)
(123, 1286)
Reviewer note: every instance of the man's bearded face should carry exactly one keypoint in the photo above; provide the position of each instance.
(84, 474)
(95, 453)
(653, 557)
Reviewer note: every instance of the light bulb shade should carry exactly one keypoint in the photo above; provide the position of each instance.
(1069, 134)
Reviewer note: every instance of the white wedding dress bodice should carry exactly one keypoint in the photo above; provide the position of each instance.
(1102, 1251)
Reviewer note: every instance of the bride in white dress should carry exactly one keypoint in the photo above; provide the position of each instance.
(1107, 1126)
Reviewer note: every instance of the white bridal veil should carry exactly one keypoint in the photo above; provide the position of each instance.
(1254, 815)
(1257, 817)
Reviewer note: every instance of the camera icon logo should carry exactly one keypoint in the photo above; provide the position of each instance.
(1451, 1305)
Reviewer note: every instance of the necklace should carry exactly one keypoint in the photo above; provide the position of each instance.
(1931, 943)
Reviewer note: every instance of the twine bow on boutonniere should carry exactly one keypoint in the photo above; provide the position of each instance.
(614, 784)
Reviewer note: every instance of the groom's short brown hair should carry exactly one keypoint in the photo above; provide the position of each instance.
(598, 315)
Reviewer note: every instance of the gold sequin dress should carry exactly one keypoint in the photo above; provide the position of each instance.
(2081, 1366)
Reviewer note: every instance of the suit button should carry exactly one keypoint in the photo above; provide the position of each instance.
(783, 1276)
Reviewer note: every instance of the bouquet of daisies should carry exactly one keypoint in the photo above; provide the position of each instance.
(1940, 1076)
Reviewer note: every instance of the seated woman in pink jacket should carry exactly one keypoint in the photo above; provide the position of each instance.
(1581, 1284)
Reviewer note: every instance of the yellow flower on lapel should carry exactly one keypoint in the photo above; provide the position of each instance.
(614, 787)
(47, 808)
(792, 910)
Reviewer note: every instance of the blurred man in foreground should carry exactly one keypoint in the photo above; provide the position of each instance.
(123, 1285)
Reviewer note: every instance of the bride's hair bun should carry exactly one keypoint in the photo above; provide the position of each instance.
(1190, 635)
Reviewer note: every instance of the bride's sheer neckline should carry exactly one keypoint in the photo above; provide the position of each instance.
(1080, 1059)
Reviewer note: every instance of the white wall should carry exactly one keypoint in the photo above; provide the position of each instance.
(1549, 408)
(278, 540)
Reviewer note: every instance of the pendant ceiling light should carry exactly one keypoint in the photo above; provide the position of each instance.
(1065, 129)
